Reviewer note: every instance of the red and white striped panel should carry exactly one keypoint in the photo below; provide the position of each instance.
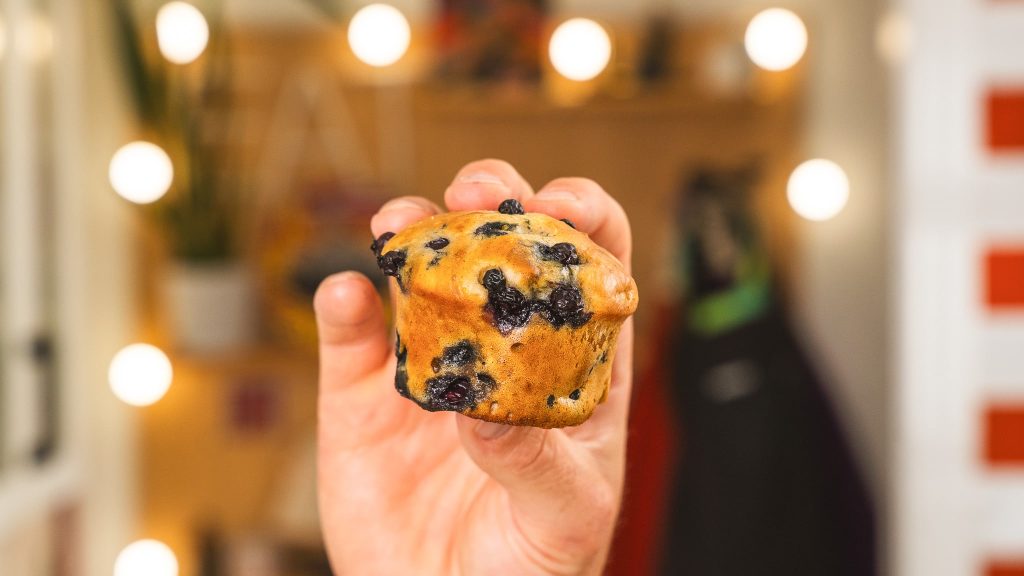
(960, 431)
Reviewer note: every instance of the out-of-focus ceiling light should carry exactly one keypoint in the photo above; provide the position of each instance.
(379, 35)
(776, 39)
(580, 49)
(141, 172)
(181, 32)
(140, 374)
(146, 558)
(818, 189)
(893, 37)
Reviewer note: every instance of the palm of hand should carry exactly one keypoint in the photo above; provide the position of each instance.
(405, 491)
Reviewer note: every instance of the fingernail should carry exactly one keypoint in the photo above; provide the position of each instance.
(556, 195)
(480, 178)
(491, 430)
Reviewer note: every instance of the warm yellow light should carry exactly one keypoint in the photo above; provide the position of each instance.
(379, 35)
(776, 39)
(818, 189)
(141, 172)
(893, 37)
(146, 558)
(140, 374)
(580, 49)
(181, 32)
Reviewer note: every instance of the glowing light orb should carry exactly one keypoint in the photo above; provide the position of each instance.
(580, 49)
(140, 374)
(379, 35)
(818, 189)
(776, 39)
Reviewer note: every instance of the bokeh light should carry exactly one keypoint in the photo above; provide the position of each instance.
(141, 172)
(181, 32)
(379, 35)
(146, 558)
(776, 39)
(818, 189)
(893, 37)
(140, 374)
(580, 49)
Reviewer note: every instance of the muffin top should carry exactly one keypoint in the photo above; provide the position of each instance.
(514, 266)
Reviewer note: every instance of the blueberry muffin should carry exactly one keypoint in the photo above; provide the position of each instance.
(505, 316)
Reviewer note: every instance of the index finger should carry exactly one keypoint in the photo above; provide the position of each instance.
(484, 184)
(590, 209)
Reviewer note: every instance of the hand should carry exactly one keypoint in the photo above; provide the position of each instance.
(406, 491)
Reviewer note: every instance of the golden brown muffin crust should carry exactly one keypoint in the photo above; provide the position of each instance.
(506, 317)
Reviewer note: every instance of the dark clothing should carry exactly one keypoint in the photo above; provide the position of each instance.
(766, 485)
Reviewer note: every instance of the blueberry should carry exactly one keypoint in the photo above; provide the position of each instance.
(402, 382)
(511, 206)
(566, 301)
(487, 383)
(508, 307)
(401, 374)
(494, 279)
(437, 243)
(575, 394)
(392, 262)
(569, 222)
(377, 245)
(459, 354)
(449, 392)
(563, 253)
(564, 306)
(492, 229)
(457, 392)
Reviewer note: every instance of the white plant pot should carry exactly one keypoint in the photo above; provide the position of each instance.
(210, 306)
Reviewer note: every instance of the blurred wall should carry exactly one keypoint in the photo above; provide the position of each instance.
(98, 259)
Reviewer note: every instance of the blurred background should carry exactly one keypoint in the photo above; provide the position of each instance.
(827, 199)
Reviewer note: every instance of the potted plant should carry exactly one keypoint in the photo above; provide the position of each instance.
(207, 288)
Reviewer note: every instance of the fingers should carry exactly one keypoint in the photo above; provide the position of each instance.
(548, 479)
(397, 214)
(482, 185)
(590, 209)
(350, 324)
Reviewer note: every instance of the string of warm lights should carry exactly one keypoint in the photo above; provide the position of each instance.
(142, 172)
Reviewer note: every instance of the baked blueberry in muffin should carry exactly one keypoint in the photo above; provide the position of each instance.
(505, 316)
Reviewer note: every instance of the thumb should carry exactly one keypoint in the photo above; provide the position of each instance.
(353, 346)
(351, 330)
(558, 497)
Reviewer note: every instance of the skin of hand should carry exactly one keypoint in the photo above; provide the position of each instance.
(406, 491)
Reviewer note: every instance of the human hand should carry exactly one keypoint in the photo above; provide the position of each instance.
(406, 491)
